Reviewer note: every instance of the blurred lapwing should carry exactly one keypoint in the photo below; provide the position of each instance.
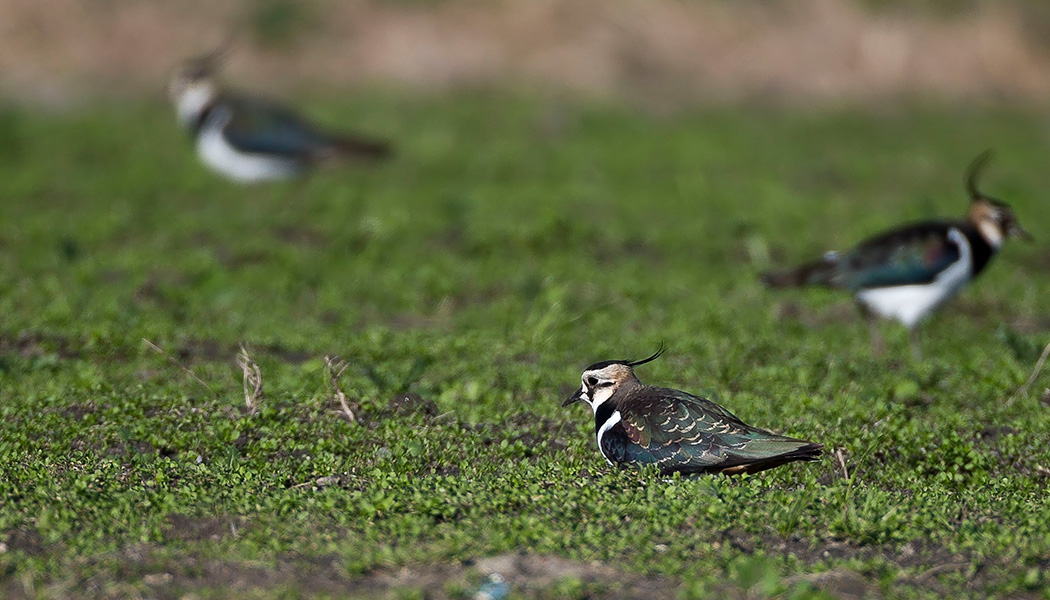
(906, 273)
(640, 424)
(252, 139)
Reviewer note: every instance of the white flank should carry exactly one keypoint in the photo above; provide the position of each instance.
(606, 426)
(909, 304)
(244, 167)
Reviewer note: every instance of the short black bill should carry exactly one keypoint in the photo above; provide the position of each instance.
(573, 398)
(1018, 231)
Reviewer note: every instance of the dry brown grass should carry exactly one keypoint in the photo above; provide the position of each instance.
(253, 381)
(656, 52)
(181, 366)
(1023, 390)
(334, 368)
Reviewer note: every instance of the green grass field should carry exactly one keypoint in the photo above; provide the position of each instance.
(513, 241)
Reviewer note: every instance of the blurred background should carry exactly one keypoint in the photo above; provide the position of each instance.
(572, 181)
(658, 53)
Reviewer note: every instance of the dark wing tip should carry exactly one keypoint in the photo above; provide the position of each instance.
(364, 148)
(811, 451)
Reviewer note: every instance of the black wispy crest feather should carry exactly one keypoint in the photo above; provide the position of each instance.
(624, 361)
(652, 357)
(973, 171)
(206, 64)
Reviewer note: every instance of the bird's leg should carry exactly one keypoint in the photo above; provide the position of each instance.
(878, 345)
(298, 188)
(916, 344)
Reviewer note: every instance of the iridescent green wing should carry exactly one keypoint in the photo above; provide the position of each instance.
(682, 432)
(911, 255)
(260, 126)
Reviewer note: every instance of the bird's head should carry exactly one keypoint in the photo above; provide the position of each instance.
(602, 380)
(193, 87)
(994, 219)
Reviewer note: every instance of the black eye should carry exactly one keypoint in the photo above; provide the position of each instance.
(592, 381)
(605, 384)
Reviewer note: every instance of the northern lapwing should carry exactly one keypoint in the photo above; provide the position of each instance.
(250, 139)
(636, 423)
(906, 273)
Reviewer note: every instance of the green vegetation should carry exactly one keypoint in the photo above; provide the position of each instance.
(513, 241)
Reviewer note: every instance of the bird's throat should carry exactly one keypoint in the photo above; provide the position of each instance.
(193, 102)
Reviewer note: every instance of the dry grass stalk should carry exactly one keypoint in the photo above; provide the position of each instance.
(335, 367)
(1023, 390)
(184, 368)
(842, 462)
(253, 381)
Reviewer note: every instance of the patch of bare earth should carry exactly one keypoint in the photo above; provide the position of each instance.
(920, 565)
(156, 573)
(534, 573)
(657, 52)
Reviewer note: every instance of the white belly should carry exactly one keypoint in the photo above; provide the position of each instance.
(910, 304)
(244, 167)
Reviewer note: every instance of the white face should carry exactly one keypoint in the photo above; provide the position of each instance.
(992, 232)
(596, 387)
(995, 222)
(193, 98)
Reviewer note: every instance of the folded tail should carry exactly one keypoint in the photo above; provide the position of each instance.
(808, 451)
(348, 148)
(823, 271)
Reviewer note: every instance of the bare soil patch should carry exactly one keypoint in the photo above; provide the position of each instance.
(659, 53)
